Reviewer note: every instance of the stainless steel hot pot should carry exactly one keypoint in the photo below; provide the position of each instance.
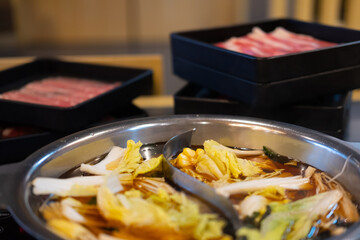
(322, 151)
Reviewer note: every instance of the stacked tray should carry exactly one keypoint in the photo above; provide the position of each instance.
(134, 82)
(269, 81)
(47, 123)
(19, 147)
(327, 114)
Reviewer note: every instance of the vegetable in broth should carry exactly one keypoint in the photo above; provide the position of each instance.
(124, 196)
(276, 197)
(122, 202)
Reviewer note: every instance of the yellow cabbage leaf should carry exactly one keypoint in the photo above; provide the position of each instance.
(207, 165)
(188, 217)
(70, 230)
(153, 164)
(132, 158)
(227, 161)
(78, 190)
(275, 193)
(131, 211)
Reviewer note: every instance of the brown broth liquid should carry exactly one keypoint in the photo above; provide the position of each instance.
(288, 171)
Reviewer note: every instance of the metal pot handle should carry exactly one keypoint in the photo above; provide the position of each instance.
(7, 173)
(355, 144)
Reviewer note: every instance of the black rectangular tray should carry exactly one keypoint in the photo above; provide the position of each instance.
(327, 114)
(134, 82)
(270, 94)
(18, 148)
(198, 47)
(274, 80)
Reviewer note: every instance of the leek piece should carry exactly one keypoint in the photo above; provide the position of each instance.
(294, 182)
(76, 186)
(115, 155)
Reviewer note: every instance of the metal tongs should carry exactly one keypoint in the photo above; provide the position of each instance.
(199, 189)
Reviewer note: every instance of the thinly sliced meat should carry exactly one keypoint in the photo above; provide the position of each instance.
(258, 35)
(278, 42)
(302, 39)
(47, 98)
(267, 49)
(252, 47)
(90, 91)
(25, 97)
(54, 97)
(81, 83)
(59, 91)
(282, 33)
(296, 46)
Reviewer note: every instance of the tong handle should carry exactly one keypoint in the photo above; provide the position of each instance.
(199, 189)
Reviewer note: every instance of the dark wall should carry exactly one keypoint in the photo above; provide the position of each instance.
(6, 24)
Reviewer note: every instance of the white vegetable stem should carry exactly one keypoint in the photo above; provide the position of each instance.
(246, 153)
(326, 203)
(43, 185)
(100, 168)
(294, 182)
(113, 183)
(251, 204)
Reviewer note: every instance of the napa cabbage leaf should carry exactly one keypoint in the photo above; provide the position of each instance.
(292, 221)
(132, 158)
(227, 161)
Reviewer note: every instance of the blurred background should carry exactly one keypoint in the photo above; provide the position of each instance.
(111, 27)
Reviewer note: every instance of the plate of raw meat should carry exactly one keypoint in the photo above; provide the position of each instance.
(269, 63)
(64, 96)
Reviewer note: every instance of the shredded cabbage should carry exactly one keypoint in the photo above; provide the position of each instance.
(274, 193)
(130, 211)
(143, 204)
(227, 161)
(160, 211)
(292, 220)
(208, 166)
